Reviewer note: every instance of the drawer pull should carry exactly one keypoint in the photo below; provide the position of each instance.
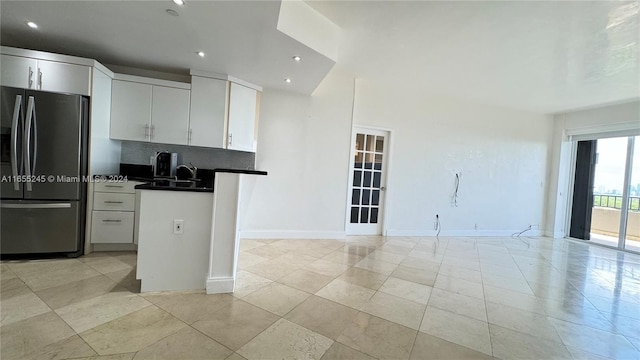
(112, 202)
(111, 221)
(114, 186)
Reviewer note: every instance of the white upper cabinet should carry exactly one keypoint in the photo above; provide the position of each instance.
(243, 103)
(207, 124)
(18, 71)
(29, 73)
(169, 115)
(149, 112)
(209, 112)
(130, 111)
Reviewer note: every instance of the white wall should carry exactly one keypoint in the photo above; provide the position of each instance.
(606, 119)
(303, 144)
(502, 155)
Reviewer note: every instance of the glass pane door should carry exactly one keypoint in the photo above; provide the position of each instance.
(608, 183)
(632, 236)
(367, 182)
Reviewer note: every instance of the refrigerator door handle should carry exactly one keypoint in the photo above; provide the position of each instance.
(14, 140)
(30, 77)
(27, 142)
(36, 206)
(35, 140)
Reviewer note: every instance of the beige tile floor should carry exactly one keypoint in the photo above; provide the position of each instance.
(364, 298)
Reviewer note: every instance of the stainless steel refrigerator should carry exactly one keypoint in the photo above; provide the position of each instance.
(42, 194)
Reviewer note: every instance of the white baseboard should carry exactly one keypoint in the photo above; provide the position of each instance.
(292, 234)
(220, 285)
(554, 234)
(114, 247)
(447, 233)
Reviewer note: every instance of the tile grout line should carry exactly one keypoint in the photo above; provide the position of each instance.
(484, 300)
(426, 306)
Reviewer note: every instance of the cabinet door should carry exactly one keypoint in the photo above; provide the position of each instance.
(18, 71)
(170, 115)
(130, 111)
(64, 78)
(112, 227)
(242, 118)
(207, 120)
(113, 201)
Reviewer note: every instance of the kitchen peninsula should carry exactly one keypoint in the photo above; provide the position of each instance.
(188, 235)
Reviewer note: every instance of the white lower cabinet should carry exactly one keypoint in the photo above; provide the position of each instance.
(112, 227)
(113, 202)
(113, 214)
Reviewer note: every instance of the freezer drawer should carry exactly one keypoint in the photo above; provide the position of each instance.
(114, 201)
(112, 227)
(39, 227)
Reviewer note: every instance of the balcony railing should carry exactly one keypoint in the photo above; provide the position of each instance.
(615, 201)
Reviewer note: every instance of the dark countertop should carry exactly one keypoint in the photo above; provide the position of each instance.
(240, 171)
(179, 185)
(122, 178)
(205, 185)
(142, 173)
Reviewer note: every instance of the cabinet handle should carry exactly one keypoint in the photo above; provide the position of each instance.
(111, 221)
(189, 136)
(230, 139)
(147, 133)
(40, 78)
(112, 202)
(114, 186)
(153, 132)
(30, 77)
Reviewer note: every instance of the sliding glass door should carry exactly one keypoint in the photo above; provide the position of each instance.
(606, 199)
(608, 182)
(632, 238)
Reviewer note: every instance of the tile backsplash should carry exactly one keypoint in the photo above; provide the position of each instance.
(134, 152)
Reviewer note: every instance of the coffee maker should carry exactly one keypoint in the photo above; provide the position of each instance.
(165, 164)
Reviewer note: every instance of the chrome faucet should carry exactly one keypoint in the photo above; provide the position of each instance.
(193, 169)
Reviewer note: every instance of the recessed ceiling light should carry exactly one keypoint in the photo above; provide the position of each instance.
(178, 2)
(32, 25)
(172, 12)
(297, 58)
(201, 53)
(287, 80)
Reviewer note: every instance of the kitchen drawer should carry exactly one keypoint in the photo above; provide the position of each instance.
(112, 227)
(117, 187)
(113, 201)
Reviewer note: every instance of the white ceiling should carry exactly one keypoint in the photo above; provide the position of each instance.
(239, 37)
(538, 56)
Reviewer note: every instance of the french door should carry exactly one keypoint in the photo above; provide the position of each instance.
(367, 179)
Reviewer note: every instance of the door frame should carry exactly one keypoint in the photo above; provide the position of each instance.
(386, 177)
